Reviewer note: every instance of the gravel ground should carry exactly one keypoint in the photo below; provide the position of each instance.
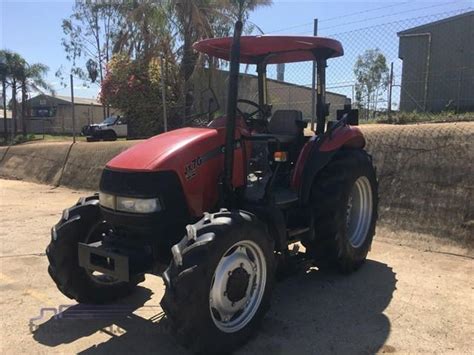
(404, 300)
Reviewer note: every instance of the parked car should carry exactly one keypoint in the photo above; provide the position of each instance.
(110, 129)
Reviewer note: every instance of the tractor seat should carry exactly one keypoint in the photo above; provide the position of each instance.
(287, 125)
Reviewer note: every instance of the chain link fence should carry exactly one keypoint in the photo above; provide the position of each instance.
(416, 69)
(427, 73)
(428, 68)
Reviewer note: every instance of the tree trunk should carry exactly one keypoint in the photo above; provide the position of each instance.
(23, 108)
(187, 68)
(368, 105)
(5, 125)
(99, 56)
(14, 111)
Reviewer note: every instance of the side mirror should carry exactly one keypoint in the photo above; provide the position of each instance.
(353, 115)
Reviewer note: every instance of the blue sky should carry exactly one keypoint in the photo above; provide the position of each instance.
(33, 28)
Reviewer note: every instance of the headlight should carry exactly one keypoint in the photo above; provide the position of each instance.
(107, 200)
(129, 204)
(138, 205)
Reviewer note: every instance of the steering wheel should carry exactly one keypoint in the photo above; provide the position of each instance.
(248, 116)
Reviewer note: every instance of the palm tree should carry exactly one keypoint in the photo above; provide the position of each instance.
(31, 79)
(4, 73)
(15, 63)
(200, 19)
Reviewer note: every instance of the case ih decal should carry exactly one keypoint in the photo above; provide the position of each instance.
(190, 170)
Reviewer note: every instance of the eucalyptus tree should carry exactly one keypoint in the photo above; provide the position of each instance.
(371, 72)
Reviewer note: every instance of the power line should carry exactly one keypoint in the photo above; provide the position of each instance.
(364, 12)
(340, 17)
(388, 15)
(447, 14)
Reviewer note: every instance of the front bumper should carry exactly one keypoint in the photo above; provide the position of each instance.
(119, 263)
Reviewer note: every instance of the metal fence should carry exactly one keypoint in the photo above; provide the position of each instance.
(427, 70)
(428, 67)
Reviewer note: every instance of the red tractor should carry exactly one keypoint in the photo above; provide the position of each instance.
(240, 191)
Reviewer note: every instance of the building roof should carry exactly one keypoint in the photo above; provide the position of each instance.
(435, 23)
(67, 100)
(80, 100)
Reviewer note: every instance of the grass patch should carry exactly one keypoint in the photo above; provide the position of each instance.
(419, 117)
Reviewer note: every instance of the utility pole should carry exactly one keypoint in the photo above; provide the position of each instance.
(73, 111)
(390, 85)
(163, 95)
(313, 84)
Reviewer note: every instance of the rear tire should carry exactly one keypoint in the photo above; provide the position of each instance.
(109, 135)
(201, 294)
(344, 200)
(81, 223)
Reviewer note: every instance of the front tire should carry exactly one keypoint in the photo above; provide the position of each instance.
(218, 293)
(81, 223)
(344, 202)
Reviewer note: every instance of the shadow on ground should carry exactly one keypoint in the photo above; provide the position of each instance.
(312, 312)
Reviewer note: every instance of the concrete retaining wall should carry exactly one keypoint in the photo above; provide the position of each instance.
(425, 174)
(86, 161)
(37, 162)
(426, 180)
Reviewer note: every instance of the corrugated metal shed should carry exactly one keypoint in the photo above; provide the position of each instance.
(438, 65)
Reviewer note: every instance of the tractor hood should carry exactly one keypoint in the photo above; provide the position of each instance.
(195, 155)
(168, 151)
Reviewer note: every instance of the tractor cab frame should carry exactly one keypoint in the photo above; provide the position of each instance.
(262, 51)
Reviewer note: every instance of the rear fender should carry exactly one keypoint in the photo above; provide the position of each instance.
(318, 152)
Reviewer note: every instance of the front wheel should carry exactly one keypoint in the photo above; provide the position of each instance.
(344, 201)
(220, 281)
(82, 223)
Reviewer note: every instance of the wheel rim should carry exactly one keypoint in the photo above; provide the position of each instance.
(98, 233)
(359, 211)
(238, 286)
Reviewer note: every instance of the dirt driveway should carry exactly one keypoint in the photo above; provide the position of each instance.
(403, 300)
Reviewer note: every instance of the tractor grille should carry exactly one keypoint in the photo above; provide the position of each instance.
(164, 184)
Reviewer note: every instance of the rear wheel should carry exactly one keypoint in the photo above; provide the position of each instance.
(109, 135)
(81, 223)
(219, 291)
(344, 207)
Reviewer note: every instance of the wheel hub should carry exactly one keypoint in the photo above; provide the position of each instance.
(237, 284)
(359, 212)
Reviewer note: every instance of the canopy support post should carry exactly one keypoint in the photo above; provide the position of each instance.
(231, 115)
(262, 83)
(313, 83)
(321, 109)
